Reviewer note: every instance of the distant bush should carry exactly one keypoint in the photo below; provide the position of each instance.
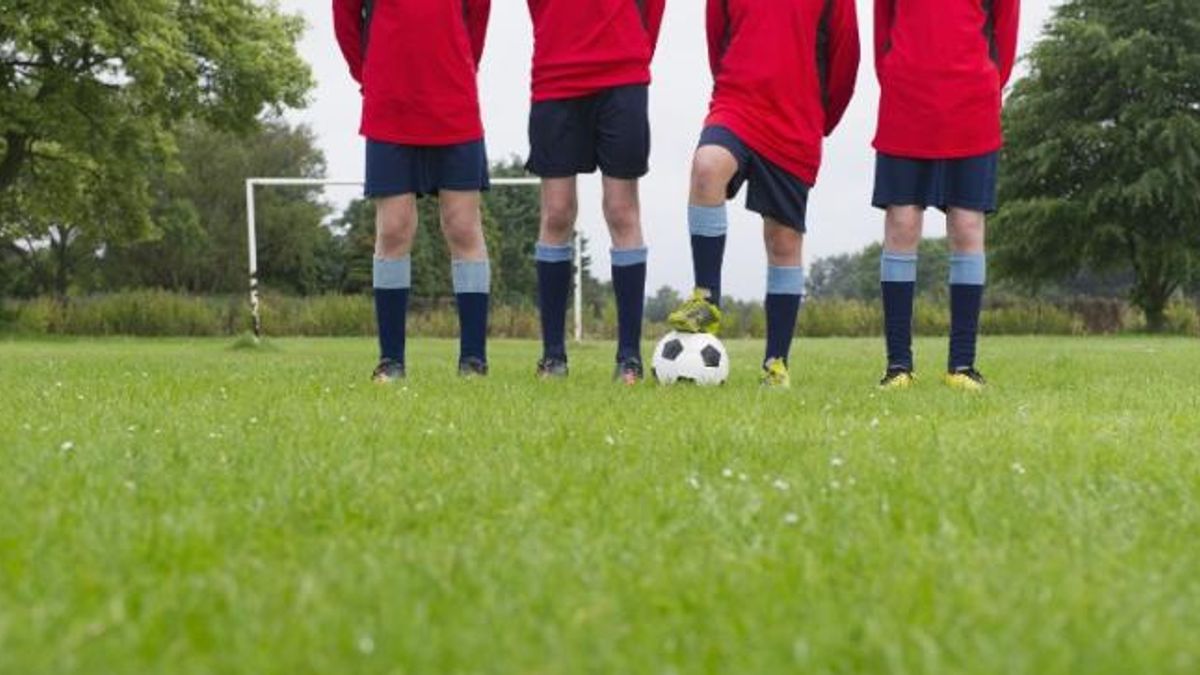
(159, 313)
(1030, 319)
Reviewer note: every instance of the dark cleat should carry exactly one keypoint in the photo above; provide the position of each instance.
(552, 368)
(388, 370)
(472, 366)
(966, 379)
(897, 379)
(629, 370)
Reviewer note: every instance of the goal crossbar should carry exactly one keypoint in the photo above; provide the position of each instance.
(252, 237)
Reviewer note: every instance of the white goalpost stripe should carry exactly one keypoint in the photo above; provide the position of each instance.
(252, 237)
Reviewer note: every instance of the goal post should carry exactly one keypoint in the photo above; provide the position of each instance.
(252, 237)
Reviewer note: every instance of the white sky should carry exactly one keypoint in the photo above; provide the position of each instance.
(840, 216)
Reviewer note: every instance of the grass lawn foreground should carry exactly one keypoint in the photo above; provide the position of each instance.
(172, 506)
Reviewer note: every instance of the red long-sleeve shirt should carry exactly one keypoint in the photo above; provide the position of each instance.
(584, 46)
(942, 66)
(784, 74)
(417, 62)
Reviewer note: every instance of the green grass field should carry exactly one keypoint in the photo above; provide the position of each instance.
(180, 507)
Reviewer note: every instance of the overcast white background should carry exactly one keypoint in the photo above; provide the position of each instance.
(840, 218)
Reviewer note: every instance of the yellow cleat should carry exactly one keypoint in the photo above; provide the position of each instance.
(775, 375)
(897, 379)
(697, 315)
(967, 379)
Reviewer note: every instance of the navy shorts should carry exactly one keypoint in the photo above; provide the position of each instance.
(609, 130)
(773, 193)
(968, 183)
(394, 169)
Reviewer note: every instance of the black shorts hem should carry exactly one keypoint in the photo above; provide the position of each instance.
(885, 204)
(621, 175)
(388, 191)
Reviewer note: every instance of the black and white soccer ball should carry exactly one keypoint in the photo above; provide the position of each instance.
(698, 358)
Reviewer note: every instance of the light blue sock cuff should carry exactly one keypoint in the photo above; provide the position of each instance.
(898, 268)
(628, 257)
(550, 253)
(968, 269)
(785, 280)
(392, 274)
(708, 221)
(471, 276)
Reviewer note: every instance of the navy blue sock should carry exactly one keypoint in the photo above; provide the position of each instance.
(554, 269)
(968, 274)
(708, 256)
(473, 322)
(392, 280)
(708, 225)
(629, 286)
(785, 288)
(391, 315)
(472, 286)
(899, 286)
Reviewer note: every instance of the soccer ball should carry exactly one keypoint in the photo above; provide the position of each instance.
(698, 358)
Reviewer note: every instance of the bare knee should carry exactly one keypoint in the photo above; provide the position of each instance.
(560, 207)
(395, 226)
(902, 230)
(712, 169)
(462, 225)
(623, 213)
(785, 245)
(966, 230)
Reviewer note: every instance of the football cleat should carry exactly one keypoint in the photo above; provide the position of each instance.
(629, 370)
(966, 379)
(472, 367)
(775, 374)
(697, 315)
(388, 370)
(552, 368)
(898, 378)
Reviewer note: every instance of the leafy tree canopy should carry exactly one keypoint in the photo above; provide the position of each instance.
(92, 92)
(1102, 168)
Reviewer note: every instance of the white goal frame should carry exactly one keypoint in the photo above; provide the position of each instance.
(252, 237)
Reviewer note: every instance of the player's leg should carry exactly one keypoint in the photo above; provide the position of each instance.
(555, 258)
(561, 146)
(713, 167)
(471, 272)
(968, 275)
(970, 195)
(782, 199)
(395, 230)
(785, 291)
(718, 172)
(621, 122)
(622, 212)
(902, 189)
(898, 283)
(391, 184)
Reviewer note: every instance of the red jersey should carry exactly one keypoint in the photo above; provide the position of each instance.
(417, 62)
(942, 66)
(784, 73)
(585, 46)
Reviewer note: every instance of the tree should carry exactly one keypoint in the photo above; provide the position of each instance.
(91, 93)
(200, 211)
(1102, 168)
(517, 213)
(661, 304)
